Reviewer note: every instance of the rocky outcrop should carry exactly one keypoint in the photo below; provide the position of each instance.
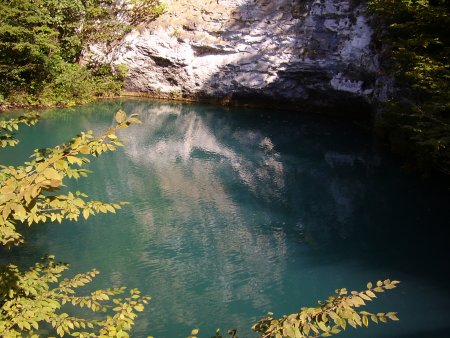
(315, 52)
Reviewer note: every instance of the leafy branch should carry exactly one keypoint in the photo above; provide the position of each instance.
(29, 195)
(26, 191)
(31, 300)
(7, 128)
(331, 317)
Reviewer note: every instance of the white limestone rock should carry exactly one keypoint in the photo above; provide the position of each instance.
(291, 50)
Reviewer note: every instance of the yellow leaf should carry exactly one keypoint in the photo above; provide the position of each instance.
(84, 149)
(306, 328)
(352, 323)
(61, 165)
(110, 208)
(392, 316)
(358, 301)
(6, 211)
(314, 328)
(121, 116)
(365, 321)
(72, 159)
(8, 189)
(134, 120)
(371, 294)
(35, 191)
(364, 296)
(55, 183)
(323, 326)
(51, 173)
(41, 166)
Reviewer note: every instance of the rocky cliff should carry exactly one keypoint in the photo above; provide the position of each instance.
(299, 52)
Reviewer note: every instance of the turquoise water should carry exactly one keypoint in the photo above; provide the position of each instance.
(234, 213)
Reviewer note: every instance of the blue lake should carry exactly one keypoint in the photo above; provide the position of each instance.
(237, 212)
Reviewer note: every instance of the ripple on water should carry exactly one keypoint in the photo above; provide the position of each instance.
(232, 215)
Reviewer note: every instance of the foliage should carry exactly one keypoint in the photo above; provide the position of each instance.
(331, 317)
(7, 128)
(70, 84)
(415, 42)
(31, 300)
(138, 11)
(41, 44)
(26, 191)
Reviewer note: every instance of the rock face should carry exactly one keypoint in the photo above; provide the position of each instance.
(299, 52)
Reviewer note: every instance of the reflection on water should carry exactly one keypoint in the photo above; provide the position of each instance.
(236, 213)
(204, 231)
(182, 142)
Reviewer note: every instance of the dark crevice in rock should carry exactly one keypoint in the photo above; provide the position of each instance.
(161, 61)
(202, 50)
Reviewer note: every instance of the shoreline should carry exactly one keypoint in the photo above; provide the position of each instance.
(365, 121)
(352, 109)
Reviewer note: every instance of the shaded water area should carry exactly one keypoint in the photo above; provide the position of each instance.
(235, 212)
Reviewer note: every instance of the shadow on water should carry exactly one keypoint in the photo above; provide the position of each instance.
(325, 200)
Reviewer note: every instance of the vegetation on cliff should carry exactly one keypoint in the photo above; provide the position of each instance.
(41, 44)
(415, 45)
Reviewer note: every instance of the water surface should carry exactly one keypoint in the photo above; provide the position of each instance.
(234, 213)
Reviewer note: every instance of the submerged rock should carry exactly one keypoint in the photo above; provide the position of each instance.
(296, 52)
